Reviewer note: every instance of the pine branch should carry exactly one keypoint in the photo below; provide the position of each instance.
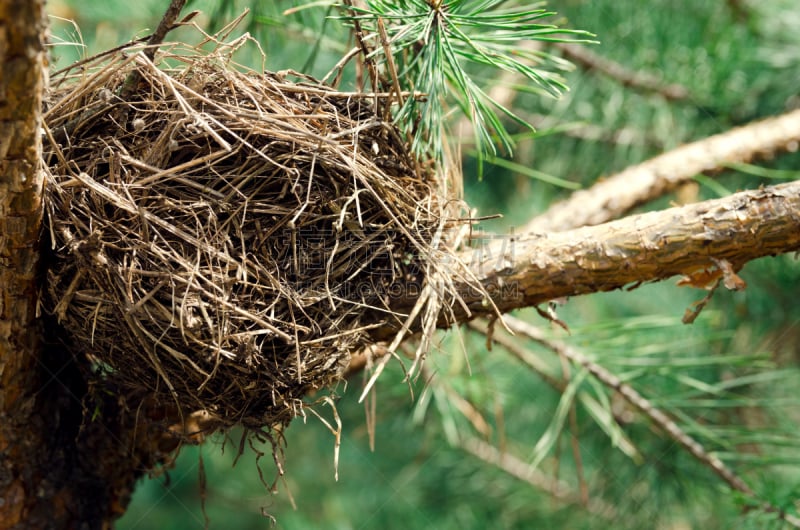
(641, 81)
(633, 397)
(433, 46)
(718, 235)
(520, 469)
(533, 362)
(618, 194)
(641, 403)
(643, 248)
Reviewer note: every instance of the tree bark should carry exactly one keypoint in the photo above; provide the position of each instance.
(707, 242)
(58, 469)
(22, 56)
(710, 240)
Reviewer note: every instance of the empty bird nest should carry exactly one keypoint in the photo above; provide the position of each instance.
(225, 240)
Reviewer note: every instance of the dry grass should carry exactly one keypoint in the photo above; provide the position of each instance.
(223, 240)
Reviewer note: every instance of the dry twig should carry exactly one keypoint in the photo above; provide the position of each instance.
(521, 470)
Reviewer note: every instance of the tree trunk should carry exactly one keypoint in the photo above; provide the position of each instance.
(56, 470)
(22, 428)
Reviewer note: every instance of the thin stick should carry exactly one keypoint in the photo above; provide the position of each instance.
(574, 441)
(634, 398)
(129, 86)
(365, 51)
(644, 406)
(527, 358)
(523, 471)
(166, 24)
(642, 81)
(390, 66)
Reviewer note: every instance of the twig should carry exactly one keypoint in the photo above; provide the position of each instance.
(166, 24)
(634, 398)
(460, 403)
(641, 403)
(623, 136)
(618, 194)
(574, 441)
(60, 134)
(360, 37)
(504, 94)
(636, 80)
(390, 66)
(521, 470)
(532, 361)
(522, 354)
(364, 358)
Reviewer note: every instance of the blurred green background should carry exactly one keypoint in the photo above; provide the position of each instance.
(730, 379)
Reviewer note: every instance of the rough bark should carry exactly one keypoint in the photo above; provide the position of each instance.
(22, 80)
(57, 468)
(710, 240)
(616, 195)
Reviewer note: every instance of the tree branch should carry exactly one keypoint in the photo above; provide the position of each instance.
(655, 415)
(534, 268)
(614, 196)
(522, 470)
(642, 81)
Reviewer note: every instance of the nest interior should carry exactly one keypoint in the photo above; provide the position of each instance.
(225, 240)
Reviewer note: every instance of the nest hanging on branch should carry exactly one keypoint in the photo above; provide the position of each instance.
(225, 240)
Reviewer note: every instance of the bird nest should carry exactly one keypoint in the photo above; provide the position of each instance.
(225, 240)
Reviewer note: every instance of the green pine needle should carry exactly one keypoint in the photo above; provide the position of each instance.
(438, 46)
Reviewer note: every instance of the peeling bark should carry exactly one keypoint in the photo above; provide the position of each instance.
(616, 195)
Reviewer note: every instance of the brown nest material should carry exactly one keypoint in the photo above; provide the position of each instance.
(225, 240)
